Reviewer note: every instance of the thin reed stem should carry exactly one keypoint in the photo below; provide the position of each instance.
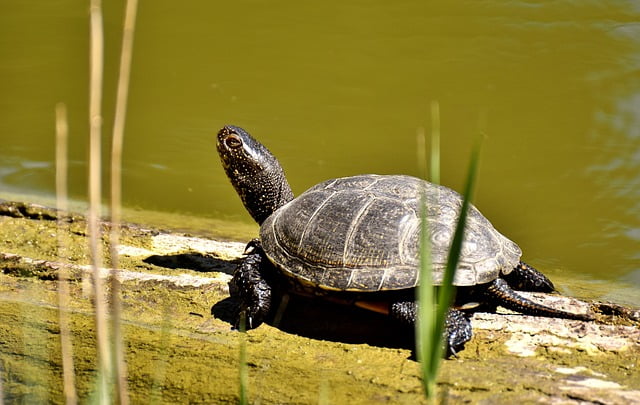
(243, 369)
(425, 321)
(434, 167)
(95, 138)
(66, 348)
(421, 151)
(116, 194)
(426, 304)
(160, 364)
(431, 314)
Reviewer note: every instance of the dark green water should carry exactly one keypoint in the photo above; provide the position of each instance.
(340, 88)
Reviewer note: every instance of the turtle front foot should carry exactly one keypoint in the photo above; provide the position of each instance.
(252, 292)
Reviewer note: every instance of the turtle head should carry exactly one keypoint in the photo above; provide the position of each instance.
(254, 172)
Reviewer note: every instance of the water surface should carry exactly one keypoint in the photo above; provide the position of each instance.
(341, 88)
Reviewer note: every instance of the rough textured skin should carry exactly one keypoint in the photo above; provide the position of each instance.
(361, 233)
(500, 292)
(257, 176)
(526, 278)
(457, 330)
(249, 286)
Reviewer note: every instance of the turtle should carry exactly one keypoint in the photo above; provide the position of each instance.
(355, 240)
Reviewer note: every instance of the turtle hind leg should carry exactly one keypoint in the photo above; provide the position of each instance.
(525, 278)
(501, 293)
(249, 287)
(457, 329)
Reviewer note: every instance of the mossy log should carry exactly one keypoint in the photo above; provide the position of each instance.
(180, 347)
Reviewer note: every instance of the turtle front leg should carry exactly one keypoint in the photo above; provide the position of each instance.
(457, 330)
(525, 278)
(249, 287)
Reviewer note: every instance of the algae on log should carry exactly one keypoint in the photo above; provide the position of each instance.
(180, 347)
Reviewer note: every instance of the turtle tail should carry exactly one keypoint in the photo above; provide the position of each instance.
(524, 277)
(500, 292)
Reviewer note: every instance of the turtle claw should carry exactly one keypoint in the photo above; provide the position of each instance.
(254, 245)
(244, 322)
(239, 321)
(248, 317)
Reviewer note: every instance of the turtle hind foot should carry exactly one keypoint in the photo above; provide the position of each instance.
(501, 293)
(457, 332)
(525, 278)
(457, 329)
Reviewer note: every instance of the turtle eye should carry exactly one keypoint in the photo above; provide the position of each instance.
(233, 141)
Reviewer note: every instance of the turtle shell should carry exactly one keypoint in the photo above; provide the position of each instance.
(362, 233)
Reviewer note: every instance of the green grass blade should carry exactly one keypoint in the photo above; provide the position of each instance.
(426, 317)
(426, 304)
(431, 317)
(243, 369)
(434, 167)
(447, 290)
